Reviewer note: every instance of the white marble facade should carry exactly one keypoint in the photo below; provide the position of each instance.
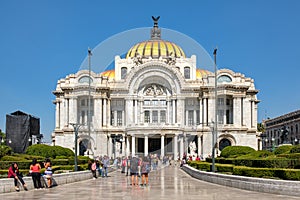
(159, 102)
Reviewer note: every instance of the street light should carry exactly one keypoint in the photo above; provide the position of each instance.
(3, 140)
(76, 128)
(273, 144)
(296, 140)
(266, 142)
(215, 129)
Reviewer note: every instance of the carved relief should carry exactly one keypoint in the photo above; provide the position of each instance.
(154, 90)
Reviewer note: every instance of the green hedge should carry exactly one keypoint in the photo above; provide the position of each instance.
(284, 149)
(49, 151)
(25, 164)
(286, 174)
(268, 163)
(5, 150)
(295, 149)
(235, 151)
(205, 166)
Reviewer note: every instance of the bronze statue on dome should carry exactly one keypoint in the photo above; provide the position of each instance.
(155, 20)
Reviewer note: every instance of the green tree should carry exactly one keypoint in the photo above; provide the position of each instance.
(260, 127)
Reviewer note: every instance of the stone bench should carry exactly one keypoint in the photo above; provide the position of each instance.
(7, 184)
(281, 187)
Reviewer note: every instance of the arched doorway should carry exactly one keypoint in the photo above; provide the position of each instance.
(224, 143)
(83, 146)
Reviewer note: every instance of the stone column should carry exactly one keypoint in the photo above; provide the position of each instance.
(108, 112)
(97, 106)
(133, 145)
(173, 111)
(162, 145)
(127, 146)
(200, 112)
(205, 111)
(57, 115)
(168, 112)
(109, 145)
(181, 147)
(237, 111)
(123, 118)
(146, 145)
(175, 141)
(199, 147)
(68, 111)
(100, 113)
(104, 113)
(124, 145)
(115, 118)
(186, 117)
(135, 111)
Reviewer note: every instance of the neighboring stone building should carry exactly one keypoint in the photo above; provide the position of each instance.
(281, 130)
(158, 101)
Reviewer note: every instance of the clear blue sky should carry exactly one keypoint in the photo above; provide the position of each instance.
(43, 41)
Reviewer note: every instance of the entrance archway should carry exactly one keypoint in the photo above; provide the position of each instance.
(83, 146)
(224, 143)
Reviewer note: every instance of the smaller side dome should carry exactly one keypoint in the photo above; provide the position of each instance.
(109, 73)
(201, 73)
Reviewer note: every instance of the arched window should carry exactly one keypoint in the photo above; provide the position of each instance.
(224, 78)
(187, 72)
(123, 72)
(85, 79)
(224, 143)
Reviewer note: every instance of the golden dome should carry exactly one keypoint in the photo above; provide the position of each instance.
(200, 73)
(155, 49)
(109, 73)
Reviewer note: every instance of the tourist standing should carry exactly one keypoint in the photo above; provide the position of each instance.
(93, 169)
(35, 170)
(13, 172)
(134, 170)
(105, 163)
(145, 169)
(48, 172)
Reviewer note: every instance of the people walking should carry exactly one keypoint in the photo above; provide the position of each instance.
(13, 172)
(48, 172)
(35, 170)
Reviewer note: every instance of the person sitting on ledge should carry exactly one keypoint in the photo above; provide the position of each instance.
(13, 172)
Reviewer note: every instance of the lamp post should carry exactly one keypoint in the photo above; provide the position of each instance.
(266, 142)
(2, 139)
(215, 129)
(296, 141)
(76, 128)
(273, 144)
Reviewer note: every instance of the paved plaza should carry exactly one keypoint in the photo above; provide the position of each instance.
(168, 183)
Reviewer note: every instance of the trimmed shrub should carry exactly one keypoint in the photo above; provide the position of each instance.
(284, 149)
(5, 150)
(49, 151)
(235, 151)
(256, 154)
(286, 174)
(295, 149)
